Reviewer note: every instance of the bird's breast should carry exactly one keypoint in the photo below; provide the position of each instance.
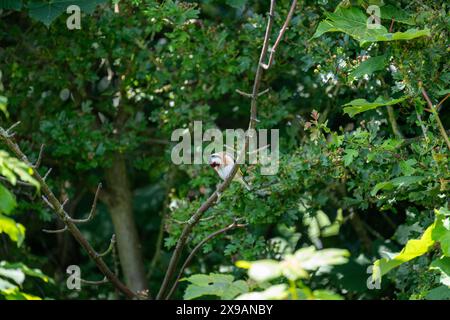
(224, 171)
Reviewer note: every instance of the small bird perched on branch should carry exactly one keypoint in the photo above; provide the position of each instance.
(222, 163)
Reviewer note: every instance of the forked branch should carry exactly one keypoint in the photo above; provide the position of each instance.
(212, 200)
(434, 111)
(70, 224)
(234, 225)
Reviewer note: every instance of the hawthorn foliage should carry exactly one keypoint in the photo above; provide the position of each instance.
(364, 162)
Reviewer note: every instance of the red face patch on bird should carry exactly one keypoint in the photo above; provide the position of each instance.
(214, 164)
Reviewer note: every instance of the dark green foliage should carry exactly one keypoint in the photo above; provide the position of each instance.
(363, 165)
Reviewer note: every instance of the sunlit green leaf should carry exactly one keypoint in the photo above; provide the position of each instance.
(441, 232)
(368, 67)
(214, 284)
(413, 249)
(3, 102)
(354, 22)
(26, 270)
(276, 292)
(14, 274)
(443, 265)
(14, 230)
(396, 183)
(356, 106)
(7, 201)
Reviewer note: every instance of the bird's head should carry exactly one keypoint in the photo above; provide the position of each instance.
(215, 160)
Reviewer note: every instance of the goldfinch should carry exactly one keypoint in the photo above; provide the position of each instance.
(222, 163)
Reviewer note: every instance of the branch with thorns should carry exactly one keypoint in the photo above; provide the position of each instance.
(212, 200)
(70, 224)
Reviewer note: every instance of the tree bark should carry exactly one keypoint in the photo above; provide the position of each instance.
(118, 198)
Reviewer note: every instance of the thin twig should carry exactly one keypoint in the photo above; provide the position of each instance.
(55, 231)
(442, 101)
(196, 248)
(212, 200)
(391, 27)
(280, 35)
(249, 95)
(39, 159)
(110, 248)
(395, 128)
(436, 116)
(47, 174)
(93, 208)
(94, 283)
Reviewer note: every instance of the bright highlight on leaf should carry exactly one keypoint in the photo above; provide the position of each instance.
(354, 22)
(354, 107)
(439, 231)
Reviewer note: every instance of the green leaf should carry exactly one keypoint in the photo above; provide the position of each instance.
(238, 4)
(443, 265)
(5, 285)
(390, 12)
(16, 294)
(14, 230)
(276, 292)
(356, 106)
(407, 166)
(396, 182)
(407, 35)
(7, 201)
(14, 274)
(413, 248)
(350, 155)
(264, 270)
(441, 232)
(326, 295)
(36, 273)
(11, 168)
(368, 67)
(214, 284)
(443, 92)
(311, 259)
(46, 12)
(439, 293)
(354, 22)
(3, 103)
(11, 4)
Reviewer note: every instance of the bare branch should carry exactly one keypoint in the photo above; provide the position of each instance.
(47, 203)
(93, 208)
(196, 248)
(441, 102)
(9, 132)
(94, 283)
(110, 248)
(53, 202)
(280, 35)
(39, 159)
(47, 174)
(249, 95)
(436, 116)
(245, 94)
(211, 201)
(55, 231)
